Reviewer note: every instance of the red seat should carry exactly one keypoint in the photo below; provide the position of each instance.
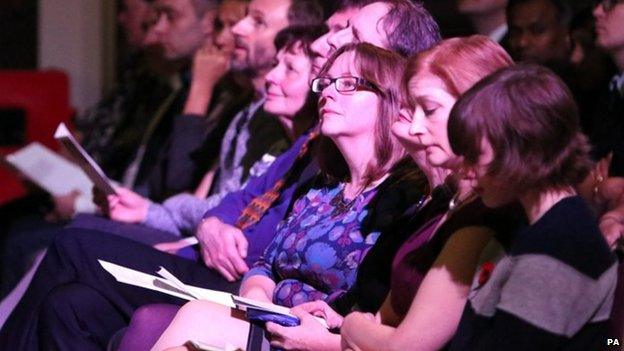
(44, 96)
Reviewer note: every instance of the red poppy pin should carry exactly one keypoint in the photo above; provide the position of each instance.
(486, 272)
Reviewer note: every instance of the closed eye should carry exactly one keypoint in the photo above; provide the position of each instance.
(429, 112)
(405, 116)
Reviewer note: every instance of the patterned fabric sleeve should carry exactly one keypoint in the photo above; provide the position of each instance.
(317, 249)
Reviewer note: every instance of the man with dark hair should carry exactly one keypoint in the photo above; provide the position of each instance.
(539, 31)
(163, 164)
(182, 27)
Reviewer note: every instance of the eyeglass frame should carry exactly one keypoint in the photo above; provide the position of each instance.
(608, 5)
(359, 82)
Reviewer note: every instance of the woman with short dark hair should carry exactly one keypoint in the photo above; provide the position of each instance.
(518, 132)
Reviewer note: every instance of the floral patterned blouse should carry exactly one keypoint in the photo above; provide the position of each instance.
(318, 247)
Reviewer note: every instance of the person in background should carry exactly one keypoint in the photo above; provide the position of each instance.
(487, 17)
(606, 188)
(134, 133)
(539, 31)
(607, 137)
(161, 163)
(214, 62)
(519, 134)
(111, 131)
(592, 66)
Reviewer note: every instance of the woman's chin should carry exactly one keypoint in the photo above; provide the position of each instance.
(438, 161)
(329, 129)
(273, 107)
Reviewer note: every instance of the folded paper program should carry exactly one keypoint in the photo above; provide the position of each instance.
(83, 160)
(167, 283)
(174, 288)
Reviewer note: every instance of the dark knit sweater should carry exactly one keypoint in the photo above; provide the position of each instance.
(553, 290)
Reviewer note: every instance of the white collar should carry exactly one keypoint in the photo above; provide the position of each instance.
(617, 83)
(498, 33)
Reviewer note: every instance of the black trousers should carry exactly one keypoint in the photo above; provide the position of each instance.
(30, 234)
(74, 304)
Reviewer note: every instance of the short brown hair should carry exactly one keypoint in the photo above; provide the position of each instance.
(458, 62)
(384, 69)
(530, 119)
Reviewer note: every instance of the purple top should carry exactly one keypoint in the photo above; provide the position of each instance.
(416, 256)
(406, 278)
(318, 248)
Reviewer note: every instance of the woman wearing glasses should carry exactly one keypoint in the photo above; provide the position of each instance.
(318, 247)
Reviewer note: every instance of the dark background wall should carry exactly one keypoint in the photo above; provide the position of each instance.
(18, 34)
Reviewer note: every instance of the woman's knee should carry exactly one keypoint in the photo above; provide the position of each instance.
(154, 314)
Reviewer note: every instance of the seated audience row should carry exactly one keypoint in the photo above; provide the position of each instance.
(427, 206)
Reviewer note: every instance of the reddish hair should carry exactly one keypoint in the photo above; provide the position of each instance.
(458, 62)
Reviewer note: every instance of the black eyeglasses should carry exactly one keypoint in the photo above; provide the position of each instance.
(608, 5)
(342, 84)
